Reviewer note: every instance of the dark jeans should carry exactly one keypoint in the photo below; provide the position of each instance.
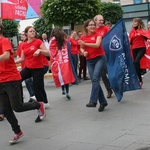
(44, 95)
(74, 58)
(11, 98)
(95, 67)
(105, 79)
(29, 86)
(138, 53)
(38, 80)
(82, 66)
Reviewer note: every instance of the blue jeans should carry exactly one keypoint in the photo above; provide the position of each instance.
(29, 86)
(95, 68)
(74, 58)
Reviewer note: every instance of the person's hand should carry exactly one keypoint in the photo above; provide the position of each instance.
(37, 52)
(80, 42)
(85, 54)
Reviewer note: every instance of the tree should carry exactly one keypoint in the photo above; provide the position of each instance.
(111, 12)
(41, 26)
(10, 28)
(65, 12)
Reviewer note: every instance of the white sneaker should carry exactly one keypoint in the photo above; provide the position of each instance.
(33, 98)
(41, 111)
(46, 105)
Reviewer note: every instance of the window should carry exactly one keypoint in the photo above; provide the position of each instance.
(137, 1)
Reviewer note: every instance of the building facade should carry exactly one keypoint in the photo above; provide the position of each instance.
(125, 2)
(133, 9)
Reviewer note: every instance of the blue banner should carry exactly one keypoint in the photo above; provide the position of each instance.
(121, 70)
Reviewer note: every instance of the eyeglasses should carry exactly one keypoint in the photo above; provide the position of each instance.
(91, 25)
(101, 20)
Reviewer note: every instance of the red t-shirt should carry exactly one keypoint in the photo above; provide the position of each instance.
(45, 61)
(102, 30)
(19, 50)
(136, 39)
(92, 52)
(8, 69)
(74, 46)
(29, 49)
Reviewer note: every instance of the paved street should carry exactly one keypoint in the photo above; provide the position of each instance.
(69, 125)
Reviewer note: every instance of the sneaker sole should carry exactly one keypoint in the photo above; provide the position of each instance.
(13, 142)
(42, 117)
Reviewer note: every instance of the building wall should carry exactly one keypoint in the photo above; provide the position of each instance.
(125, 2)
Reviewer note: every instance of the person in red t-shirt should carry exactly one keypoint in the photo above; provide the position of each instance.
(103, 30)
(91, 48)
(32, 52)
(74, 49)
(82, 65)
(11, 89)
(137, 42)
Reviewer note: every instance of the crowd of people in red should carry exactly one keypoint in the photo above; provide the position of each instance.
(64, 54)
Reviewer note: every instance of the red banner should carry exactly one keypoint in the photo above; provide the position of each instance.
(60, 64)
(14, 9)
(145, 61)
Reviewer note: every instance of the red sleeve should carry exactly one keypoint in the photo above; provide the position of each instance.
(6, 45)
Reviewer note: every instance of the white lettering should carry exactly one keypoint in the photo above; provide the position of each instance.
(125, 67)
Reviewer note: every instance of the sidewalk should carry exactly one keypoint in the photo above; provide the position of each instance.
(70, 125)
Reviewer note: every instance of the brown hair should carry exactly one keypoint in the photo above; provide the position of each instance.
(60, 36)
(140, 23)
(86, 23)
(27, 29)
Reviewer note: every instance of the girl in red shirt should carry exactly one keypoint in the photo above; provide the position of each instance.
(137, 42)
(74, 49)
(32, 52)
(11, 89)
(96, 61)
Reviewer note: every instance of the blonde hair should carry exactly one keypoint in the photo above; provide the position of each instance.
(95, 18)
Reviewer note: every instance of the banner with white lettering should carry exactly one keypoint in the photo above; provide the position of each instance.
(13, 9)
(60, 64)
(121, 70)
(145, 61)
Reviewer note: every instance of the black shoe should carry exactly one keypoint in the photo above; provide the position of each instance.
(31, 100)
(91, 104)
(37, 119)
(1, 118)
(86, 78)
(102, 107)
(109, 94)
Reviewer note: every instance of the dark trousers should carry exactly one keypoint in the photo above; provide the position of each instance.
(38, 80)
(74, 58)
(138, 53)
(66, 86)
(82, 66)
(11, 99)
(105, 79)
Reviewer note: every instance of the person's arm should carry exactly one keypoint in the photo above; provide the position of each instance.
(5, 56)
(93, 45)
(20, 59)
(43, 50)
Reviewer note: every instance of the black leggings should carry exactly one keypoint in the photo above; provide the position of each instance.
(138, 53)
(38, 80)
(66, 86)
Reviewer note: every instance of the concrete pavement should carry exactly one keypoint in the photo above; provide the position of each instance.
(70, 125)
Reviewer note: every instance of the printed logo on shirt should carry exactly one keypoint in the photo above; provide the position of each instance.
(92, 38)
(32, 47)
(115, 44)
